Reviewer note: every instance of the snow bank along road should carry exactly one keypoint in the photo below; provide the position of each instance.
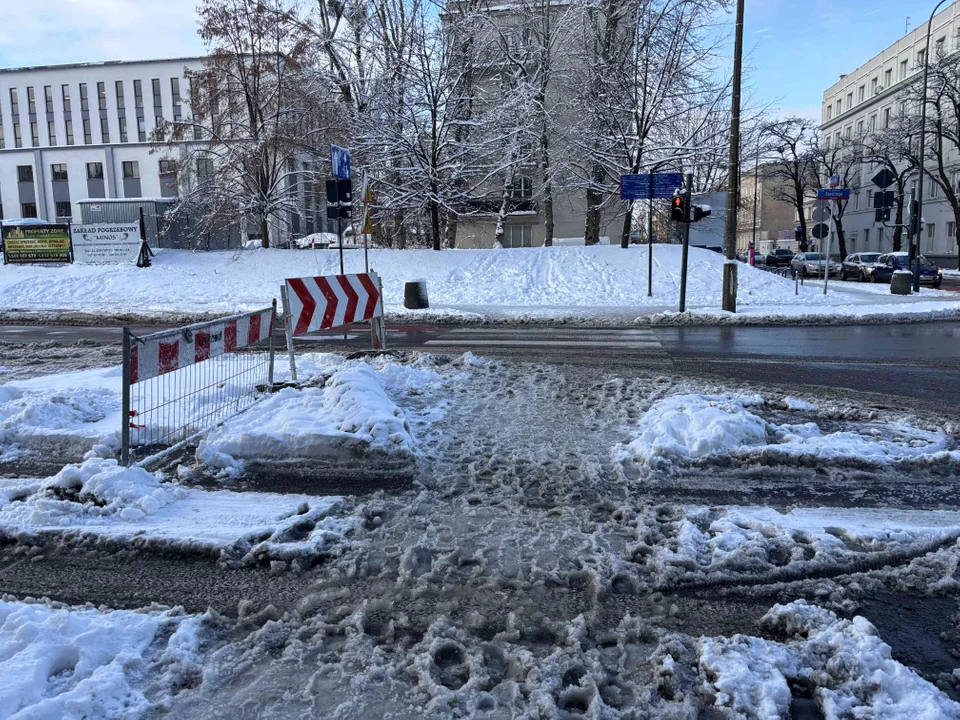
(587, 285)
(572, 540)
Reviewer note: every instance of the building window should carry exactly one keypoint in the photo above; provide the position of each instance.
(866, 239)
(860, 93)
(938, 47)
(84, 100)
(101, 96)
(887, 78)
(829, 112)
(95, 171)
(860, 128)
(34, 134)
(87, 133)
(515, 236)
(131, 169)
(522, 188)
(175, 90)
(65, 91)
(157, 101)
(839, 109)
(17, 136)
(14, 103)
(856, 200)
(931, 235)
(48, 98)
(826, 143)
(886, 117)
(28, 210)
(58, 171)
(951, 229)
(168, 167)
(873, 123)
(52, 132)
(920, 56)
(158, 122)
(119, 88)
(31, 101)
(64, 210)
(137, 94)
(903, 69)
(874, 84)
(68, 126)
(25, 173)
(141, 129)
(848, 133)
(104, 130)
(849, 100)
(123, 128)
(934, 189)
(204, 168)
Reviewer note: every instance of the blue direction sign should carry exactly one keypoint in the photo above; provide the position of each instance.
(340, 162)
(833, 194)
(637, 187)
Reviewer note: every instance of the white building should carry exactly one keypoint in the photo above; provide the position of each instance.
(865, 100)
(70, 132)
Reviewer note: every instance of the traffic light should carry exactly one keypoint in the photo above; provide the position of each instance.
(700, 212)
(678, 212)
(913, 229)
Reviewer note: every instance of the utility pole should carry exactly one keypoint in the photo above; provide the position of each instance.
(756, 191)
(733, 174)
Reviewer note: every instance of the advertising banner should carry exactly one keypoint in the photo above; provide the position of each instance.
(106, 243)
(47, 243)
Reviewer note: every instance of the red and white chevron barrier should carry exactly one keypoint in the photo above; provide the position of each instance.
(321, 303)
(167, 351)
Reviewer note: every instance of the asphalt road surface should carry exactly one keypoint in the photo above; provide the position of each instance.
(919, 361)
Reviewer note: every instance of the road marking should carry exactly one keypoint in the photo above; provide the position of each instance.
(639, 344)
(639, 339)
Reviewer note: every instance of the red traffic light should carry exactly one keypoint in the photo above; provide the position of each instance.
(678, 213)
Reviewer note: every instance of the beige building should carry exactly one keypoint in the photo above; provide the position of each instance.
(866, 99)
(762, 216)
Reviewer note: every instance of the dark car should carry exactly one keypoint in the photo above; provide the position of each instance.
(886, 265)
(855, 265)
(779, 257)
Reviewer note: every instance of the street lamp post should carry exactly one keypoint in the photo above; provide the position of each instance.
(918, 221)
(756, 190)
(729, 299)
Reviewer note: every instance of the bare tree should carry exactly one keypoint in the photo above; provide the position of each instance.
(792, 166)
(843, 161)
(889, 149)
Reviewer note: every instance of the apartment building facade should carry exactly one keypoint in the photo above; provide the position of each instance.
(762, 216)
(71, 132)
(866, 100)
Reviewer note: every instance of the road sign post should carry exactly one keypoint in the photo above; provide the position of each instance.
(650, 187)
(688, 192)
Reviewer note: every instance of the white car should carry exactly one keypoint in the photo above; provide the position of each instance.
(813, 264)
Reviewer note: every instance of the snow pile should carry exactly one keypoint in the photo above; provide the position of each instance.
(691, 427)
(556, 282)
(58, 662)
(62, 414)
(725, 543)
(844, 662)
(350, 413)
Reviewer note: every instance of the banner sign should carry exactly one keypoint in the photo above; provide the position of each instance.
(103, 243)
(46, 243)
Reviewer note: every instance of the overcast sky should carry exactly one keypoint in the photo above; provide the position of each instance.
(797, 48)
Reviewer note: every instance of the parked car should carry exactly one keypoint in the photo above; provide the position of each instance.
(886, 265)
(807, 264)
(856, 264)
(778, 257)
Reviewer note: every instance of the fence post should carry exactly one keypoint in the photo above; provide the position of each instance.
(273, 329)
(288, 331)
(125, 402)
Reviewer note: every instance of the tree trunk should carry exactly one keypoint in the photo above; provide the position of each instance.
(435, 223)
(452, 221)
(591, 230)
(802, 245)
(547, 190)
(841, 240)
(264, 233)
(956, 232)
(627, 226)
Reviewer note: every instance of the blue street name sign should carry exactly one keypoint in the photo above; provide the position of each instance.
(340, 162)
(637, 187)
(833, 194)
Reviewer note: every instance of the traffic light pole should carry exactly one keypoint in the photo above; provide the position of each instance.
(650, 242)
(733, 174)
(688, 194)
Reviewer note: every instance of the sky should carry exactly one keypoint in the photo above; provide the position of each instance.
(795, 48)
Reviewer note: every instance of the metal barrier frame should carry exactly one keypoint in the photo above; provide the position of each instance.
(129, 339)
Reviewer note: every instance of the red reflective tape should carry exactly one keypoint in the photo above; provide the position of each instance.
(302, 323)
(201, 346)
(169, 356)
(134, 364)
(253, 332)
(352, 299)
(230, 336)
(373, 295)
(332, 302)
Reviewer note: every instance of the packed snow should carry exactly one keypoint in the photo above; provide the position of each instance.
(60, 662)
(845, 664)
(600, 282)
(692, 426)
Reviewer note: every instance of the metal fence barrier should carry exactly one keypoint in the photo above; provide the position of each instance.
(182, 382)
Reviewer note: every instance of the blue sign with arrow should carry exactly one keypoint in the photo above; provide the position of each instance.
(340, 162)
(638, 187)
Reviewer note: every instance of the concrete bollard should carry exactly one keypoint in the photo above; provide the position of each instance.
(415, 295)
(900, 283)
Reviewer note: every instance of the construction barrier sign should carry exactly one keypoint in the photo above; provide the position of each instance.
(41, 243)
